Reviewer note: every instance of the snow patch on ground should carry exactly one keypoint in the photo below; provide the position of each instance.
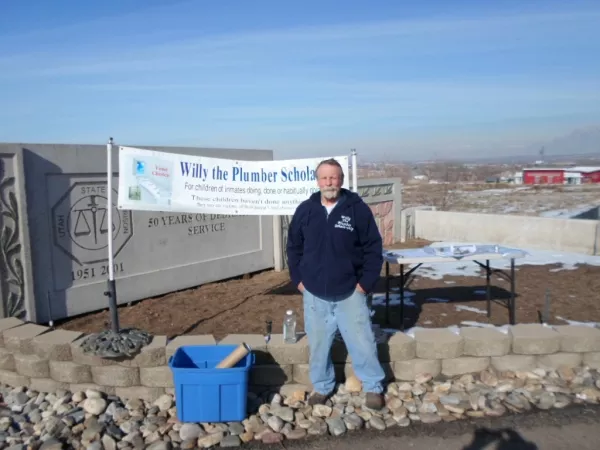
(470, 323)
(575, 322)
(569, 261)
(379, 299)
(411, 331)
(501, 191)
(437, 271)
(567, 213)
(437, 300)
(470, 308)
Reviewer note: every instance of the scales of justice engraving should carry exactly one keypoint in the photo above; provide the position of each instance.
(89, 223)
(80, 222)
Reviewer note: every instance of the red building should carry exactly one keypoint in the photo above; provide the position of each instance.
(560, 175)
(592, 176)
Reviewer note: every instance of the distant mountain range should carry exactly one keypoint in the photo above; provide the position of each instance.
(579, 146)
(582, 141)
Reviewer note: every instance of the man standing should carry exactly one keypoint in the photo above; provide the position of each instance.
(335, 255)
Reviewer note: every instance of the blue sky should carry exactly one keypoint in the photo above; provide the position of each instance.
(390, 78)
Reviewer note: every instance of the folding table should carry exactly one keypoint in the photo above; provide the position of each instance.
(446, 253)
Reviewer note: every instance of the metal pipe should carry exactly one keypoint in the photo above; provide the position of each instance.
(111, 288)
(354, 172)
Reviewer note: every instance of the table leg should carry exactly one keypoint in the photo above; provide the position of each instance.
(488, 289)
(511, 304)
(387, 293)
(401, 297)
(512, 292)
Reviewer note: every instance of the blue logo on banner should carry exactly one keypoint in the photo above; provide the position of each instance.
(140, 167)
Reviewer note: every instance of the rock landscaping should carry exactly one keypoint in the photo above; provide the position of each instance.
(56, 396)
(93, 420)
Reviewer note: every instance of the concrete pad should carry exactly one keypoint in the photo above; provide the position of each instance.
(464, 365)
(438, 343)
(534, 339)
(31, 366)
(484, 342)
(282, 353)
(117, 376)
(578, 338)
(55, 345)
(197, 339)
(409, 370)
(20, 339)
(70, 372)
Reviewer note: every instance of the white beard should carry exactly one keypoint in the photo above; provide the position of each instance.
(330, 193)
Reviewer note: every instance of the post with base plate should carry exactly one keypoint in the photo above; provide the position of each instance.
(111, 287)
(116, 342)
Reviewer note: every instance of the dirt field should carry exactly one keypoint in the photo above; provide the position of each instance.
(550, 201)
(243, 305)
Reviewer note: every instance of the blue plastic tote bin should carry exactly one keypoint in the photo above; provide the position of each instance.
(204, 393)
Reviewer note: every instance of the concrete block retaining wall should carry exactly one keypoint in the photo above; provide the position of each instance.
(47, 360)
(567, 235)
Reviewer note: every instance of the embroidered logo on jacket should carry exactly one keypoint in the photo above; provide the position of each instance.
(344, 224)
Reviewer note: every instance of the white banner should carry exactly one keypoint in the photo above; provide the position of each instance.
(158, 181)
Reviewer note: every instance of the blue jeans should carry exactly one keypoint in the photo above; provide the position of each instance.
(322, 319)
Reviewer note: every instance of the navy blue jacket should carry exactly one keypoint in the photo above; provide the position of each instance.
(331, 254)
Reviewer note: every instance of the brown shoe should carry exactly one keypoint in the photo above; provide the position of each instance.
(374, 401)
(317, 399)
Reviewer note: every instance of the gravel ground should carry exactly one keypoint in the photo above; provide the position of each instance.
(574, 427)
(460, 409)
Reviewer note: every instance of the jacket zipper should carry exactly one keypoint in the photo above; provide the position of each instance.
(327, 239)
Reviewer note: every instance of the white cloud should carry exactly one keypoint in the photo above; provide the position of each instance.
(299, 45)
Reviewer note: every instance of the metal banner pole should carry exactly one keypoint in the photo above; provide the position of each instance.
(112, 291)
(354, 172)
(116, 342)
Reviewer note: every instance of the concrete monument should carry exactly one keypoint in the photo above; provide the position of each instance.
(16, 287)
(155, 253)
